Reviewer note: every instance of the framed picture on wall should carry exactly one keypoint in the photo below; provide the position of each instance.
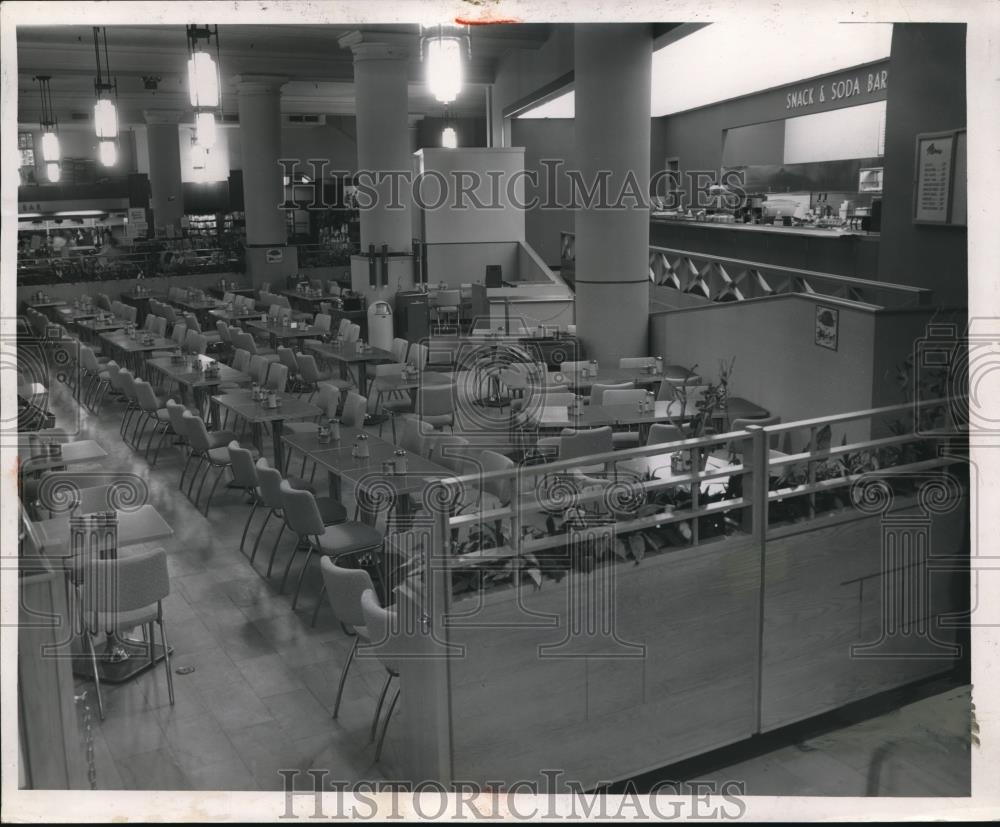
(827, 326)
(934, 174)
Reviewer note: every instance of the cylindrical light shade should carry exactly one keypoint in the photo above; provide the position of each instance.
(105, 119)
(199, 156)
(50, 146)
(203, 81)
(52, 171)
(444, 68)
(108, 153)
(449, 138)
(204, 124)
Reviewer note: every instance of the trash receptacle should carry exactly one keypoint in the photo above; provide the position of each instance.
(380, 325)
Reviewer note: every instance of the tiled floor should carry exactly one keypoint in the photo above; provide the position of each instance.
(261, 691)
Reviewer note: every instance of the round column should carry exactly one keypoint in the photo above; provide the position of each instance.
(612, 88)
(381, 75)
(166, 189)
(260, 141)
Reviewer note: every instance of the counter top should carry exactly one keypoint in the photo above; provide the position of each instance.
(815, 232)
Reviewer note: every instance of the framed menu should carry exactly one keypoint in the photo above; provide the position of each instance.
(935, 184)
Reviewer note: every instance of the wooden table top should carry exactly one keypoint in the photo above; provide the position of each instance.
(140, 525)
(291, 407)
(130, 345)
(183, 374)
(82, 450)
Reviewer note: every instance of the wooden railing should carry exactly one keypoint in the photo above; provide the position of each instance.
(720, 279)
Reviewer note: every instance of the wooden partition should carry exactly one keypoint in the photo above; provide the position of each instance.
(628, 666)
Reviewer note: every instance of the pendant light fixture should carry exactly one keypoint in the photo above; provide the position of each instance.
(449, 138)
(204, 82)
(50, 130)
(106, 108)
(441, 50)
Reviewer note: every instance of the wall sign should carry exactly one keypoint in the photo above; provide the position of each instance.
(935, 186)
(827, 327)
(837, 89)
(273, 255)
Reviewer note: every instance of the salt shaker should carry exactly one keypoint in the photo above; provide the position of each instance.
(400, 460)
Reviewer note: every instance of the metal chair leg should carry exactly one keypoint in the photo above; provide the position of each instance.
(378, 707)
(274, 549)
(343, 678)
(302, 576)
(253, 509)
(260, 534)
(385, 726)
(211, 491)
(97, 677)
(166, 661)
(319, 602)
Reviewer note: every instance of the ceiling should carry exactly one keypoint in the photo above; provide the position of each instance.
(320, 72)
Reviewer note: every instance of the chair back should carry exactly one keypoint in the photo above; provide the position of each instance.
(197, 433)
(412, 437)
(499, 488)
(355, 408)
(344, 587)
(572, 367)
(170, 314)
(345, 324)
(399, 349)
(159, 326)
(378, 621)
(623, 397)
(179, 333)
(244, 340)
(175, 410)
(241, 360)
(597, 391)
(88, 361)
(353, 332)
(660, 432)
(585, 443)
(199, 343)
(257, 369)
(448, 299)
(125, 583)
(223, 329)
(328, 398)
(242, 467)
(306, 365)
(192, 322)
(287, 357)
(145, 396)
(300, 510)
(103, 302)
(435, 400)
(128, 384)
(147, 325)
(277, 377)
(268, 484)
(452, 451)
(323, 321)
(740, 424)
(418, 355)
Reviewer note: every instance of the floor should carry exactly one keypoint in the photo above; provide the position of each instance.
(258, 686)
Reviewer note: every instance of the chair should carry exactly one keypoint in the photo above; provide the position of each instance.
(244, 340)
(436, 405)
(736, 446)
(212, 451)
(597, 391)
(418, 356)
(636, 362)
(548, 446)
(151, 411)
(352, 334)
(97, 380)
(624, 439)
(344, 587)
(355, 410)
(661, 432)
(244, 472)
(123, 592)
(276, 378)
(159, 327)
(413, 436)
(179, 334)
(303, 518)
(399, 349)
(378, 621)
(446, 307)
(585, 443)
(310, 375)
(324, 321)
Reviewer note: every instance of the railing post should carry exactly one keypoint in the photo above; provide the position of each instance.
(755, 483)
(811, 471)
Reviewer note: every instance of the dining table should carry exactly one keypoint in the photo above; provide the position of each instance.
(32, 460)
(71, 314)
(351, 354)
(281, 334)
(310, 302)
(131, 349)
(236, 315)
(191, 376)
(242, 404)
(596, 416)
(640, 377)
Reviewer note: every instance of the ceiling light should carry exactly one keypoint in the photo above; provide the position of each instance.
(203, 71)
(444, 61)
(108, 153)
(199, 156)
(105, 112)
(449, 138)
(50, 135)
(52, 172)
(204, 124)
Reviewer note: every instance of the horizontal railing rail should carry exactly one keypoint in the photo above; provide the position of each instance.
(130, 265)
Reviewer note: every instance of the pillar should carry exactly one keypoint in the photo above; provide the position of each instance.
(268, 260)
(166, 189)
(381, 76)
(612, 86)
(381, 91)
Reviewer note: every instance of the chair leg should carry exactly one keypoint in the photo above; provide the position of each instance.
(159, 445)
(385, 726)
(180, 483)
(97, 677)
(260, 534)
(343, 678)
(288, 568)
(211, 491)
(378, 707)
(253, 509)
(274, 549)
(166, 661)
(319, 602)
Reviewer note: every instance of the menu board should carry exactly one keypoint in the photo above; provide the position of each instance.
(935, 174)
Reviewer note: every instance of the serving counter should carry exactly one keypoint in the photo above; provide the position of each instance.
(853, 253)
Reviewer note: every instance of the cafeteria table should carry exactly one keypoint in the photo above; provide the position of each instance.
(279, 334)
(349, 354)
(258, 415)
(131, 350)
(235, 315)
(197, 381)
(596, 416)
(81, 450)
(306, 302)
(616, 376)
(72, 315)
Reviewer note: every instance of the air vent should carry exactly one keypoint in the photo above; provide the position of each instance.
(79, 116)
(305, 120)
